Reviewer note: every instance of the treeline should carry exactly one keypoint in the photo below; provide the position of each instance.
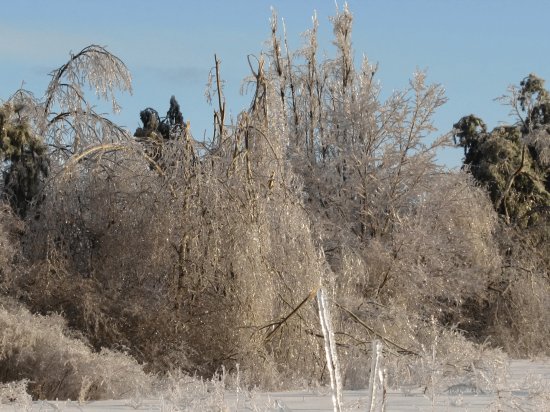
(191, 255)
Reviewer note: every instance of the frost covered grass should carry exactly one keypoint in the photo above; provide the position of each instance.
(38, 354)
(524, 387)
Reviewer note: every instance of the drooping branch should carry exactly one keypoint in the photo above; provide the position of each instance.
(102, 70)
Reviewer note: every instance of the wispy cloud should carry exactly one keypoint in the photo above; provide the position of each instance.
(42, 47)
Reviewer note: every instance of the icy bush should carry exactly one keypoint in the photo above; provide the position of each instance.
(15, 394)
(40, 350)
(11, 229)
(210, 255)
(518, 318)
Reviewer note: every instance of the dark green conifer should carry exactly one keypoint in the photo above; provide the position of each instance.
(23, 157)
(509, 160)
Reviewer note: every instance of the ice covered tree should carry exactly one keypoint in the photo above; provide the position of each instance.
(372, 189)
(363, 158)
(69, 122)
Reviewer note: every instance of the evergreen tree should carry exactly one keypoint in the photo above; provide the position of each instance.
(23, 156)
(512, 161)
(156, 131)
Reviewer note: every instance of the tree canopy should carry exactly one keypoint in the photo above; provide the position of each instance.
(24, 158)
(156, 131)
(512, 161)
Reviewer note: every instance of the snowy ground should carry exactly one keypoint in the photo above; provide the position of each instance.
(527, 389)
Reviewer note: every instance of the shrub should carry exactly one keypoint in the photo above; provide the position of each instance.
(56, 364)
(11, 230)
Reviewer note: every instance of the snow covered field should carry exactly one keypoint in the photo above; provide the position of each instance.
(527, 388)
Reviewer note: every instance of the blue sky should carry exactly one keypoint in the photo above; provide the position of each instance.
(474, 48)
